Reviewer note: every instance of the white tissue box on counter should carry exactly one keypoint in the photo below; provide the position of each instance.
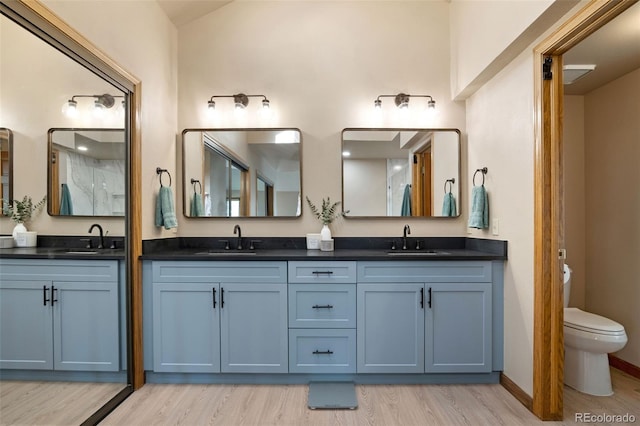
(313, 241)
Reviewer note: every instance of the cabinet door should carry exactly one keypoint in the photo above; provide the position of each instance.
(26, 339)
(390, 328)
(85, 320)
(253, 328)
(186, 328)
(458, 328)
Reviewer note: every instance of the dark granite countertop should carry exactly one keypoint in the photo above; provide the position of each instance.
(67, 247)
(350, 248)
(60, 253)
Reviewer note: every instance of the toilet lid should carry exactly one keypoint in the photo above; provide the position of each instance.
(576, 318)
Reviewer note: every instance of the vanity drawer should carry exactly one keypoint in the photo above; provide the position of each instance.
(322, 306)
(322, 351)
(322, 272)
(463, 271)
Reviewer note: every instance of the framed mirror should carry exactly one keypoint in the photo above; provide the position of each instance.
(43, 64)
(241, 172)
(401, 172)
(6, 164)
(86, 172)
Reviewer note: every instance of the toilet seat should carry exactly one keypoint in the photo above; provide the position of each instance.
(591, 323)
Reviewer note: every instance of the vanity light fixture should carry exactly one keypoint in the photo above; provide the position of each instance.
(402, 101)
(101, 102)
(240, 100)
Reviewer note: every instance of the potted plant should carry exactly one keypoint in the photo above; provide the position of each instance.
(326, 214)
(21, 211)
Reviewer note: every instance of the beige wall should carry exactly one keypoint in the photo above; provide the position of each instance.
(612, 181)
(321, 64)
(139, 36)
(574, 196)
(486, 35)
(35, 81)
(501, 138)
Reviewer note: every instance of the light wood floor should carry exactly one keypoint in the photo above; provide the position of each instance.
(52, 403)
(42, 403)
(231, 405)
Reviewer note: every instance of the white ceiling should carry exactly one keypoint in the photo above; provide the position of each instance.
(182, 12)
(614, 48)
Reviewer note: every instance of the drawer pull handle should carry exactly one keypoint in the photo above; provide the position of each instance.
(322, 272)
(322, 306)
(317, 352)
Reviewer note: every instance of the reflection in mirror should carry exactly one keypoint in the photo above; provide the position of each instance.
(401, 172)
(241, 172)
(6, 164)
(36, 79)
(86, 172)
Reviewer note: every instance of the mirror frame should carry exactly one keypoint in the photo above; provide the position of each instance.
(50, 190)
(36, 18)
(239, 129)
(9, 139)
(401, 129)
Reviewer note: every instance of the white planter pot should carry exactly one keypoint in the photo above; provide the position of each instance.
(19, 228)
(325, 233)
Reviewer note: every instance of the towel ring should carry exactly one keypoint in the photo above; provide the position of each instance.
(193, 182)
(450, 182)
(483, 171)
(159, 171)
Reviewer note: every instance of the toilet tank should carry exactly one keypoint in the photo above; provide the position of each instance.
(567, 285)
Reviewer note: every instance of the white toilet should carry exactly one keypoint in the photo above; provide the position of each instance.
(588, 338)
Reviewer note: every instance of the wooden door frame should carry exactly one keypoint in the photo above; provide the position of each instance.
(548, 336)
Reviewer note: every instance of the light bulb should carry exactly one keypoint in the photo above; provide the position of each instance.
(70, 108)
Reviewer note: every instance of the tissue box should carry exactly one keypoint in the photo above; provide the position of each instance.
(27, 239)
(313, 241)
(6, 242)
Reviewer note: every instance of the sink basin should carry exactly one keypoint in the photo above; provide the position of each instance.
(417, 253)
(80, 251)
(226, 252)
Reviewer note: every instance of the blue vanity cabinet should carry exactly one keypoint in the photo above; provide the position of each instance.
(322, 317)
(218, 316)
(458, 328)
(26, 335)
(426, 316)
(253, 320)
(186, 331)
(390, 328)
(59, 315)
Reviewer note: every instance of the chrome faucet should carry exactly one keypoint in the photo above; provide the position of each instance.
(237, 230)
(406, 231)
(101, 242)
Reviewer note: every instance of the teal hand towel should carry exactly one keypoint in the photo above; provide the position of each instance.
(165, 212)
(479, 215)
(66, 206)
(405, 210)
(197, 206)
(449, 205)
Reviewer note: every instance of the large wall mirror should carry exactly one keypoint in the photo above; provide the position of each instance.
(86, 172)
(241, 172)
(401, 172)
(43, 65)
